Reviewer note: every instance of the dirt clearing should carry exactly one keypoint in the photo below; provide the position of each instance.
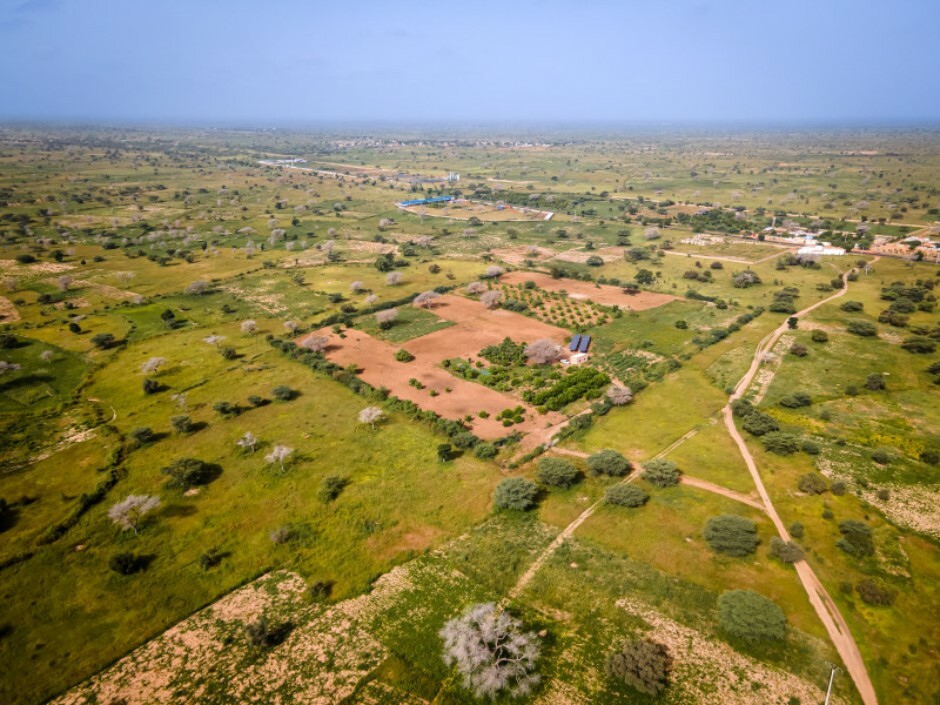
(602, 294)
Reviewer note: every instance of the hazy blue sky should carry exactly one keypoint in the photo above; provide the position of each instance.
(283, 61)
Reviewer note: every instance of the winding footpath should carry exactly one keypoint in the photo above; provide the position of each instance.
(827, 610)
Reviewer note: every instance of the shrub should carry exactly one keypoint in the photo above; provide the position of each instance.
(643, 665)
(142, 436)
(856, 538)
(211, 558)
(875, 592)
(862, 328)
(796, 530)
(283, 393)
(811, 483)
(331, 487)
(182, 424)
(747, 615)
(515, 493)
(102, 341)
(661, 472)
(785, 551)
(919, 344)
(557, 472)
(188, 472)
(226, 409)
(485, 451)
(819, 336)
(626, 496)
(852, 306)
(732, 535)
(796, 400)
(781, 443)
(799, 350)
(608, 462)
(228, 353)
(404, 356)
(931, 457)
(881, 456)
(759, 424)
(811, 448)
(875, 382)
(263, 634)
(126, 563)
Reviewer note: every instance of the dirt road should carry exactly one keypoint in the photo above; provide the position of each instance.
(827, 610)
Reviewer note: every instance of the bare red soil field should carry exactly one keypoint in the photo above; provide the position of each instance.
(608, 295)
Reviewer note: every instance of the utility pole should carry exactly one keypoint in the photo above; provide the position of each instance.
(832, 676)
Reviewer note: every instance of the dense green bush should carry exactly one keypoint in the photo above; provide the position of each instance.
(661, 472)
(331, 487)
(781, 443)
(856, 538)
(127, 563)
(758, 424)
(189, 472)
(557, 472)
(819, 336)
(515, 493)
(811, 483)
(732, 535)
(747, 615)
(283, 393)
(626, 496)
(875, 592)
(862, 328)
(785, 551)
(608, 462)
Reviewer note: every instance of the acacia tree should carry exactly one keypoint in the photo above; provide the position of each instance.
(543, 351)
(279, 454)
(129, 512)
(153, 365)
(426, 299)
(491, 299)
(371, 415)
(249, 441)
(386, 318)
(316, 343)
(618, 396)
(491, 651)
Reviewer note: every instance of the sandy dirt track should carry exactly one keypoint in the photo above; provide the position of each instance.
(607, 295)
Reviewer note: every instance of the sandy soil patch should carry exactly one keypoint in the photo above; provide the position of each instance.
(8, 311)
(207, 658)
(37, 268)
(602, 294)
(709, 672)
(518, 255)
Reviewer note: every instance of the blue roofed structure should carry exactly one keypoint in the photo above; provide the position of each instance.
(584, 344)
(575, 342)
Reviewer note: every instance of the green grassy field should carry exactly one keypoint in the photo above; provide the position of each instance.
(134, 228)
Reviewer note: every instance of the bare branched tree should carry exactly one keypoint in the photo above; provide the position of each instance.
(494, 271)
(197, 287)
(393, 278)
(213, 339)
(387, 317)
(290, 326)
(491, 652)
(8, 366)
(64, 282)
(153, 364)
(129, 512)
(491, 299)
(356, 287)
(316, 343)
(543, 351)
(46, 355)
(474, 288)
(279, 454)
(618, 395)
(426, 299)
(371, 415)
(249, 327)
(248, 441)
